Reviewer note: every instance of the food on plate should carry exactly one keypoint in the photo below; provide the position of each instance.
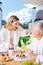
(20, 54)
(4, 57)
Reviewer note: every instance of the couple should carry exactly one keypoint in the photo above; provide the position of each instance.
(10, 33)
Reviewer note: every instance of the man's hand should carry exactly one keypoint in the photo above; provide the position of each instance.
(30, 53)
(28, 31)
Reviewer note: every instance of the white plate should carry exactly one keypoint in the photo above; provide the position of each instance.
(21, 58)
(7, 60)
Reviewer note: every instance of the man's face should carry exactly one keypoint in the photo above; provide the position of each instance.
(15, 25)
(35, 30)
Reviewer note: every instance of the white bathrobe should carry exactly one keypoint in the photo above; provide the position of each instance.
(5, 36)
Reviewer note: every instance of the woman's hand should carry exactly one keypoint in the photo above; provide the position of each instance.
(11, 40)
(11, 46)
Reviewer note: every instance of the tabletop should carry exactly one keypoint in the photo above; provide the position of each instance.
(13, 62)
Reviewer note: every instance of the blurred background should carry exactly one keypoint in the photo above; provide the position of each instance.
(28, 12)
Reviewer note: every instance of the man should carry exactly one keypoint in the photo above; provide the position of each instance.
(36, 47)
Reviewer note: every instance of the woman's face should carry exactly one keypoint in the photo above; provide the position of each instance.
(15, 25)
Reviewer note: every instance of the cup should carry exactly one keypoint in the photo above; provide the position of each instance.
(11, 53)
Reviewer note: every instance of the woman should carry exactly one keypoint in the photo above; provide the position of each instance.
(10, 33)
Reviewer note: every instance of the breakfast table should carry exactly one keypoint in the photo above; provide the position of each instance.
(13, 61)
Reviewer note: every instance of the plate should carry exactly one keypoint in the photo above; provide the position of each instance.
(6, 60)
(21, 58)
(5, 57)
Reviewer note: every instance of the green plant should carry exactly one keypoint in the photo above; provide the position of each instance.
(29, 63)
(19, 42)
(37, 64)
(24, 39)
(2, 63)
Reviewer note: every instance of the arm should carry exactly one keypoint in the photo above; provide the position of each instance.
(30, 53)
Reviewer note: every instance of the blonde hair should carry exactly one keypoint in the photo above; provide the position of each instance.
(10, 21)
